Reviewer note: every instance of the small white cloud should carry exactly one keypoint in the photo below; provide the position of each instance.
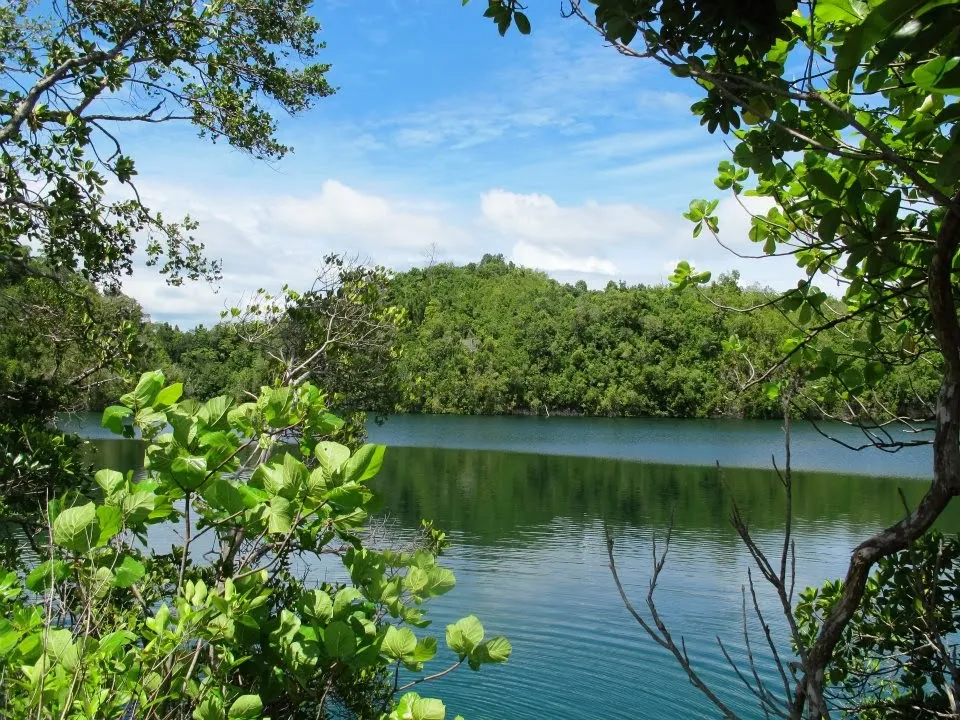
(538, 219)
(554, 261)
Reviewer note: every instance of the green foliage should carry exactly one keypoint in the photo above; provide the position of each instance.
(220, 627)
(899, 649)
(85, 74)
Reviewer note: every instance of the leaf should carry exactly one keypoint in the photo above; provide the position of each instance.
(114, 641)
(246, 707)
(495, 650)
(73, 528)
(426, 650)
(930, 75)
(399, 643)
(281, 515)
(39, 579)
(60, 649)
(128, 572)
(169, 395)
(339, 640)
(523, 23)
(428, 709)
(110, 522)
(365, 463)
(214, 413)
(114, 418)
(331, 455)
(317, 605)
(464, 635)
(189, 471)
(223, 495)
(110, 481)
(345, 599)
(145, 394)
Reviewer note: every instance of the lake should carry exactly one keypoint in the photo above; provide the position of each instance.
(525, 501)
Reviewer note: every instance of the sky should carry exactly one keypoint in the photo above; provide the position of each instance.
(445, 142)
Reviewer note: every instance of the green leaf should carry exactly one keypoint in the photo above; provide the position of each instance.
(344, 600)
(210, 709)
(189, 471)
(331, 455)
(110, 481)
(339, 640)
(150, 385)
(495, 650)
(281, 515)
(365, 463)
(523, 23)
(399, 643)
(317, 605)
(246, 707)
(109, 522)
(40, 578)
(169, 395)
(114, 641)
(128, 572)
(222, 494)
(464, 635)
(214, 413)
(60, 649)
(114, 418)
(74, 529)
(930, 75)
(428, 709)
(425, 650)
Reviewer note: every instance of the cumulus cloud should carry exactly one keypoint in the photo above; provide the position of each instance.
(267, 241)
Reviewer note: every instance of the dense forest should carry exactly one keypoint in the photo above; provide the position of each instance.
(495, 338)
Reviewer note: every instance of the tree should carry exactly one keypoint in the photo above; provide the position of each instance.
(77, 75)
(844, 120)
(219, 625)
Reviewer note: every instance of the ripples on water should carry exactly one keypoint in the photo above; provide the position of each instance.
(529, 553)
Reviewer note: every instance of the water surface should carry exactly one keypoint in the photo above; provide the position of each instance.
(525, 501)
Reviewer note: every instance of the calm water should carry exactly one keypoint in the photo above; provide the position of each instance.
(525, 500)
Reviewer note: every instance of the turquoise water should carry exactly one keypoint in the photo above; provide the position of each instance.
(525, 501)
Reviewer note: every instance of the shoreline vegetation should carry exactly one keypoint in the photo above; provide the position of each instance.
(494, 338)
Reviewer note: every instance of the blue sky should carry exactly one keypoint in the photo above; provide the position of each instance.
(447, 140)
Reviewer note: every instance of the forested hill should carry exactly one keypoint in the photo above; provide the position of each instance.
(492, 337)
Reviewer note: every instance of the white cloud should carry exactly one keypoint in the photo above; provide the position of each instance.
(267, 241)
(557, 261)
(537, 218)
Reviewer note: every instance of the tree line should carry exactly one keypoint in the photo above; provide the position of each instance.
(492, 337)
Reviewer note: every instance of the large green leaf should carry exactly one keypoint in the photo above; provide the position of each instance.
(169, 395)
(110, 481)
(428, 709)
(75, 528)
(465, 635)
(224, 495)
(214, 413)
(339, 640)
(109, 523)
(399, 643)
(281, 514)
(365, 463)
(189, 471)
(47, 572)
(495, 650)
(317, 605)
(150, 385)
(331, 455)
(246, 707)
(115, 417)
(128, 572)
